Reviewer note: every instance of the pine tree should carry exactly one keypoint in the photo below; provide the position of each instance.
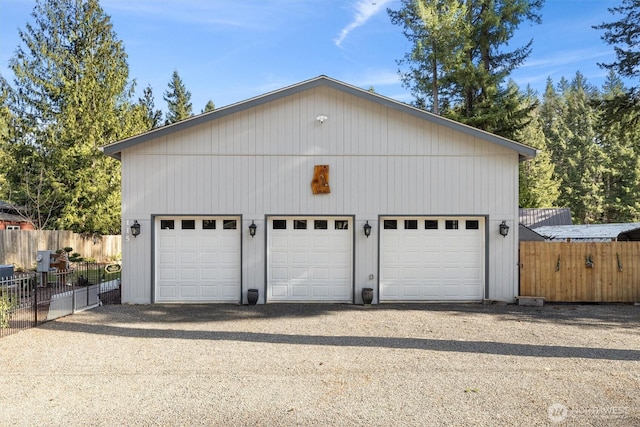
(72, 92)
(152, 117)
(538, 185)
(569, 123)
(209, 107)
(621, 178)
(178, 100)
(462, 57)
(439, 32)
(624, 36)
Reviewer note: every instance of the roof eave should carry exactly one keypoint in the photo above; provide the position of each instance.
(114, 149)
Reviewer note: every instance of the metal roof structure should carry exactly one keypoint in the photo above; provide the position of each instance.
(540, 217)
(592, 232)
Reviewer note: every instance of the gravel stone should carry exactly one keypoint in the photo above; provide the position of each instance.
(326, 365)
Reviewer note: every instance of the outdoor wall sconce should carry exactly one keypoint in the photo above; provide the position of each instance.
(135, 228)
(367, 230)
(504, 229)
(321, 118)
(252, 229)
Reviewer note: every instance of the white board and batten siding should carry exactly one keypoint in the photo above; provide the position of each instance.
(259, 161)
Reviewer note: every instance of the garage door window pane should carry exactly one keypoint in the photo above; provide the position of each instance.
(472, 225)
(300, 224)
(451, 224)
(166, 224)
(208, 224)
(390, 224)
(431, 224)
(229, 224)
(279, 224)
(410, 224)
(188, 224)
(320, 224)
(342, 225)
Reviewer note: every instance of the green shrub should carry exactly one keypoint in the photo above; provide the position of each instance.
(6, 307)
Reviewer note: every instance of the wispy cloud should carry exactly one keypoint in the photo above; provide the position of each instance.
(364, 10)
(263, 16)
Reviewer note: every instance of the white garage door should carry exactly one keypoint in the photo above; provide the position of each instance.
(432, 259)
(310, 259)
(197, 259)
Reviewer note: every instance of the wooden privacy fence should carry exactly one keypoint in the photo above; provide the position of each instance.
(20, 247)
(581, 272)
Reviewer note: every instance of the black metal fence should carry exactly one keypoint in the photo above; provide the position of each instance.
(30, 299)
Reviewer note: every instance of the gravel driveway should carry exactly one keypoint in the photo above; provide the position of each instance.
(342, 365)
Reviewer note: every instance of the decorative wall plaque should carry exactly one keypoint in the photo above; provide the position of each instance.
(320, 182)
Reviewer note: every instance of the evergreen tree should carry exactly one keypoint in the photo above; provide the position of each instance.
(71, 98)
(439, 33)
(538, 185)
(624, 35)
(178, 100)
(467, 63)
(152, 117)
(621, 144)
(569, 123)
(209, 107)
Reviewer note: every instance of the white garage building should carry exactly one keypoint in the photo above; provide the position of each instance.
(309, 166)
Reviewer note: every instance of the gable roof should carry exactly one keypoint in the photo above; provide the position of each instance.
(116, 148)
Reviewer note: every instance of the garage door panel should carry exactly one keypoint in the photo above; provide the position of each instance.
(167, 274)
(452, 290)
(167, 257)
(431, 264)
(321, 240)
(279, 273)
(341, 274)
(320, 273)
(279, 257)
(341, 292)
(209, 258)
(324, 258)
(312, 264)
(188, 291)
(320, 291)
(188, 257)
(188, 274)
(391, 273)
(300, 257)
(301, 242)
(167, 242)
(431, 291)
(299, 273)
(200, 264)
(208, 274)
(410, 273)
(300, 290)
(167, 291)
(209, 291)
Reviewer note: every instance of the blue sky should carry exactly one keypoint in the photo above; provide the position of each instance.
(230, 50)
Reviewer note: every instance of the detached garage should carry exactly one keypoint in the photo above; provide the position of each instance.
(313, 192)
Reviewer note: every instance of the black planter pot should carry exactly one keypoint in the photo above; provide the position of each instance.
(252, 296)
(367, 295)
